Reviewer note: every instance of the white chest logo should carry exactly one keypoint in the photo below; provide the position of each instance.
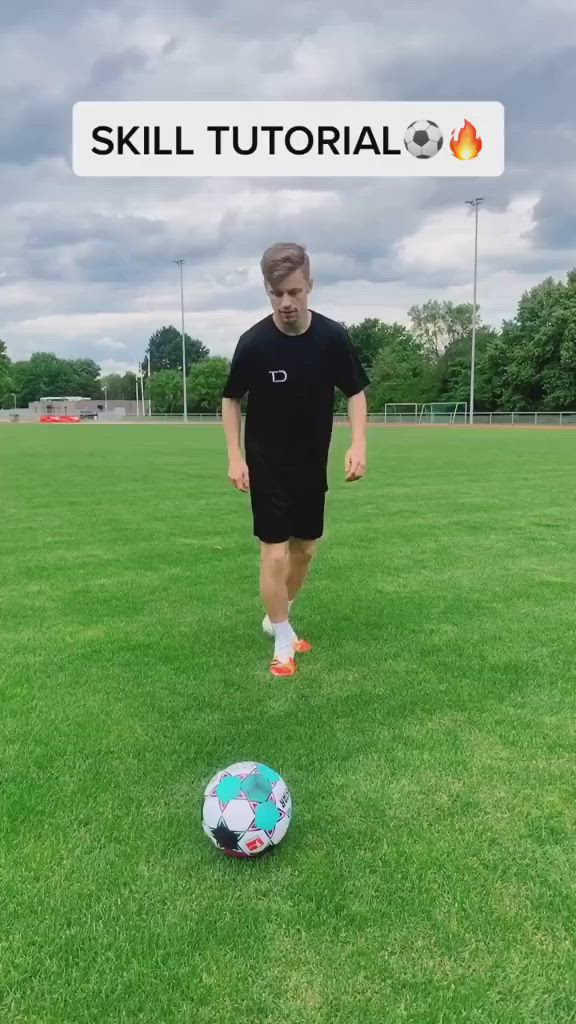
(278, 376)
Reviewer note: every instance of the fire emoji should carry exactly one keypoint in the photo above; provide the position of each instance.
(468, 144)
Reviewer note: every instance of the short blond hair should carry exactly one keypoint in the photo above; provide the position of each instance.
(282, 259)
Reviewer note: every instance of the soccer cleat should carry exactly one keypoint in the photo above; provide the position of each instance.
(302, 647)
(283, 668)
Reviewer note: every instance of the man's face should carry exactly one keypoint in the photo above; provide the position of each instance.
(289, 298)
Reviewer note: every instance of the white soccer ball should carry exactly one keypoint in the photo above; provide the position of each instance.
(246, 809)
(423, 139)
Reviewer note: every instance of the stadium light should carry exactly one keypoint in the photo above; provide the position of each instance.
(180, 262)
(141, 376)
(474, 204)
(149, 384)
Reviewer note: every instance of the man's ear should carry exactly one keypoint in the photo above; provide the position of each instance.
(310, 283)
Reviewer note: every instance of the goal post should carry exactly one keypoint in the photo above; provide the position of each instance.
(444, 412)
(401, 412)
(426, 412)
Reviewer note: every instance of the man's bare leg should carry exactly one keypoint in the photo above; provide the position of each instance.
(273, 580)
(274, 565)
(301, 553)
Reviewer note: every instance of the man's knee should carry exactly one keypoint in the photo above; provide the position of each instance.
(274, 556)
(302, 550)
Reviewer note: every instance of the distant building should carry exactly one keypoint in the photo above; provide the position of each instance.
(74, 405)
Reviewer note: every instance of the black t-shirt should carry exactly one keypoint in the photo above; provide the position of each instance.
(290, 380)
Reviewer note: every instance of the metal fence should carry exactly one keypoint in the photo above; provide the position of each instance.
(27, 416)
(536, 419)
(492, 419)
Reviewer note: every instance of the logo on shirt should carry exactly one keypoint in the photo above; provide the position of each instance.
(277, 377)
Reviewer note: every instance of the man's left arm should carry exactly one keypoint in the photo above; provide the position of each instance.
(356, 454)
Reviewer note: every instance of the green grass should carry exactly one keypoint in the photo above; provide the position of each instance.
(428, 741)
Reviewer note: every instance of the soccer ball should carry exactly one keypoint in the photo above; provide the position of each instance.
(246, 809)
(423, 139)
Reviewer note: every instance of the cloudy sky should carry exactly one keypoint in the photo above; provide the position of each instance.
(86, 263)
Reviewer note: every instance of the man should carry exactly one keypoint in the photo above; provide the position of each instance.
(289, 363)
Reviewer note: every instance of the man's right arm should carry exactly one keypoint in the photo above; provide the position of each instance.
(232, 422)
(238, 383)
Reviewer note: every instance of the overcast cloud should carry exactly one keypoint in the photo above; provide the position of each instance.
(86, 264)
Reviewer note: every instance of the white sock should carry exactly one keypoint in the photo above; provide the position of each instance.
(284, 640)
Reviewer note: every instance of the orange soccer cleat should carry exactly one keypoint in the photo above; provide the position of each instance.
(283, 668)
(302, 647)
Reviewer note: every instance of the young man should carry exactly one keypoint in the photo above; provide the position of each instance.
(289, 363)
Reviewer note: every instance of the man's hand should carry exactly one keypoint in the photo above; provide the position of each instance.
(238, 474)
(355, 462)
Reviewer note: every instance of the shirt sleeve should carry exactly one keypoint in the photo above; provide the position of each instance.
(240, 375)
(349, 374)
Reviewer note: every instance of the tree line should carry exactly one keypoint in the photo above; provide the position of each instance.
(528, 364)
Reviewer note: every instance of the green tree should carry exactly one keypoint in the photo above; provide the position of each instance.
(536, 357)
(119, 386)
(167, 392)
(453, 368)
(129, 386)
(401, 372)
(86, 377)
(45, 375)
(18, 373)
(165, 348)
(114, 387)
(207, 380)
(437, 325)
(6, 377)
(368, 338)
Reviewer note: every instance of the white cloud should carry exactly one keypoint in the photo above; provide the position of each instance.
(86, 264)
(85, 325)
(446, 239)
(108, 343)
(109, 366)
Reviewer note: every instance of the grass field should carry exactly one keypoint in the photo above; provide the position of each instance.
(429, 740)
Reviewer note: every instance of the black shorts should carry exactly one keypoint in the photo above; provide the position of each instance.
(276, 519)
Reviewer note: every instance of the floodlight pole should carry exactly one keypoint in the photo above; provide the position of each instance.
(474, 203)
(149, 384)
(180, 262)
